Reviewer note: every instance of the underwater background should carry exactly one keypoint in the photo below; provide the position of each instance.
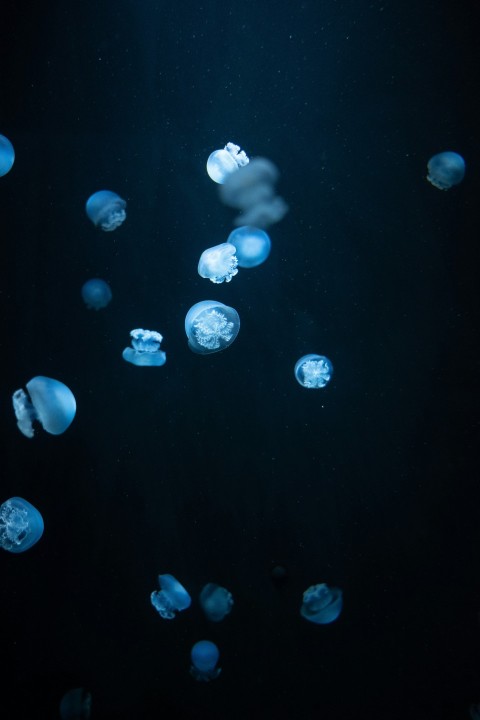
(218, 468)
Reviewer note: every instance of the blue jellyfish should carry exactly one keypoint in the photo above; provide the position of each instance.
(216, 601)
(222, 163)
(475, 711)
(313, 371)
(96, 294)
(7, 155)
(21, 525)
(146, 349)
(252, 244)
(321, 604)
(51, 403)
(445, 170)
(76, 704)
(218, 263)
(107, 209)
(172, 597)
(204, 656)
(211, 326)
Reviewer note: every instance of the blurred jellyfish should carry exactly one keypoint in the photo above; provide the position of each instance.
(146, 349)
(222, 163)
(216, 602)
(51, 403)
(475, 711)
(252, 244)
(107, 209)
(313, 371)
(321, 604)
(445, 170)
(252, 190)
(76, 704)
(96, 294)
(172, 597)
(7, 155)
(204, 656)
(279, 575)
(218, 263)
(21, 525)
(211, 326)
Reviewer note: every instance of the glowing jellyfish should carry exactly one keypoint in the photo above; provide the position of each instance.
(21, 525)
(216, 602)
(218, 263)
(106, 209)
(211, 326)
(222, 163)
(171, 598)
(51, 403)
(313, 371)
(204, 656)
(96, 294)
(76, 704)
(252, 245)
(321, 604)
(7, 155)
(445, 170)
(146, 349)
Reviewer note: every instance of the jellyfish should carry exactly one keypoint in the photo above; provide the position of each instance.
(21, 525)
(146, 349)
(445, 170)
(7, 155)
(211, 326)
(475, 711)
(216, 601)
(96, 294)
(171, 597)
(107, 209)
(222, 163)
(51, 403)
(76, 704)
(313, 371)
(204, 656)
(218, 263)
(252, 245)
(321, 604)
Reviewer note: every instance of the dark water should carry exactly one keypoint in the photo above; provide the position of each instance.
(218, 468)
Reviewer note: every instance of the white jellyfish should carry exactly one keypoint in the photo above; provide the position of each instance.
(211, 326)
(218, 263)
(49, 402)
(106, 209)
(171, 598)
(145, 350)
(313, 371)
(252, 244)
(221, 163)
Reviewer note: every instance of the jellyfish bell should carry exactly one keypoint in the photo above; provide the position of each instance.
(218, 263)
(76, 704)
(321, 604)
(96, 294)
(215, 601)
(49, 401)
(145, 350)
(211, 326)
(204, 655)
(21, 525)
(7, 155)
(252, 245)
(106, 210)
(171, 598)
(445, 170)
(224, 162)
(313, 371)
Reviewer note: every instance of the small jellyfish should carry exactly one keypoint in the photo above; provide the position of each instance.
(204, 656)
(216, 602)
(172, 597)
(76, 704)
(313, 371)
(445, 170)
(253, 245)
(222, 163)
(51, 403)
(321, 604)
(7, 155)
(21, 525)
(146, 349)
(218, 263)
(96, 294)
(279, 575)
(106, 209)
(211, 326)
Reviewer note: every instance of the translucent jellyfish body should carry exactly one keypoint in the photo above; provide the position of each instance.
(216, 602)
(171, 598)
(222, 163)
(76, 704)
(49, 401)
(146, 349)
(252, 245)
(218, 263)
(445, 170)
(321, 604)
(211, 326)
(313, 371)
(21, 525)
(106, 209)
(204, 656)
(96, 294)
(7, 155)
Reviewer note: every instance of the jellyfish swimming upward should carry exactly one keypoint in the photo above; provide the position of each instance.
(96, 294)
(222, 163)
(106, 210)
(313, 371)
(171, 598)
(7, 155)
(211, 326)
(445, 170)
(252, 245)
(321, 604)
(49, 402)
(204, 656)
(218, 263)
(21, 525)
(145, 350)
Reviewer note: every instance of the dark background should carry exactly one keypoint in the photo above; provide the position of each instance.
(217, 468)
